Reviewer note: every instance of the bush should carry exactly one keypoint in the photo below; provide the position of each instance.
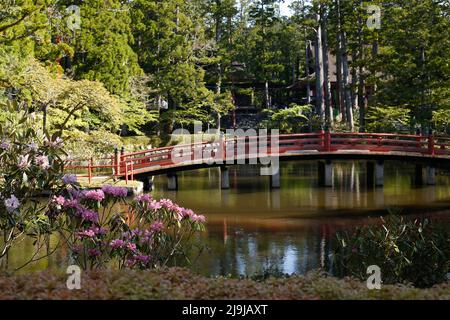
(406, 250)
(290, 120)
(388, 119)
(177, 283)
(30, 165)
(441, 120)
(145, 234)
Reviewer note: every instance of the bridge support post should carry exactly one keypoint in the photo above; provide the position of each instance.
(148, 183)
(325, 173)
(379, 173)
(275, 180)
(418, 175)
(172, 181)
(431, 176)
(370, 170)
(224, 178)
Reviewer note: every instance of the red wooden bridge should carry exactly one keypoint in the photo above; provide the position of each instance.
(430, 150)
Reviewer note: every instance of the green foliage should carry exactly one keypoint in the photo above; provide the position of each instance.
(96, 144)
(388, 119)
(406, 250)
(30, 165)
(441, 120)
(290, 120)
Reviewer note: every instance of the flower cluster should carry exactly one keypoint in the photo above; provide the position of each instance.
(115, 191)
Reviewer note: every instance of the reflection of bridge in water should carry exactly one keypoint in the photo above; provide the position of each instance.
(426, 152)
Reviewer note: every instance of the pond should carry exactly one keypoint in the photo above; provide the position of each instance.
(252, 228)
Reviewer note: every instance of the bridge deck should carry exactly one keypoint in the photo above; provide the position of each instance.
(322, 145)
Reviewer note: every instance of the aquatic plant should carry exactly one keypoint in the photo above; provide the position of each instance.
(407, 250)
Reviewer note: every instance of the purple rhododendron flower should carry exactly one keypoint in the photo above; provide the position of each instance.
(141, 258)
(69, 179)
(75, 193)
(115, 191)
(89, 215)
(94, 252)
(5, 145)
(33, 146)
(12, 203)
(144, 198)
(96, 195)
(72, 203)
(117, 243)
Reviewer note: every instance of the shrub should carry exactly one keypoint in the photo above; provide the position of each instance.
(406, 250)
(30, 165)
(146, 234)
(290, 120)
(177, 283)
(441, 120)
(388, 119)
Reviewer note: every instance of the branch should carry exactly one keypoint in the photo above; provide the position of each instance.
(15, 23)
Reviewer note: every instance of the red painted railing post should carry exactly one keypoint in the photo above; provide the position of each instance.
(122, 159)
(126, 173)
(431, 143)
(327, 139)
(116, 162)
(90, 170)
(322, 139)
(132, 171)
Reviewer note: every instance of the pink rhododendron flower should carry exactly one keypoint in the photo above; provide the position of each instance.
(86, 234)
(60, 200)
(42, 162)
(166, 203)
(198, 218)
(54, 144)
(154, 205)
(144, 198)
(33, 146)
(5, 144)
(24, 161)
(131, 246)
(96, 195)
(157, 226)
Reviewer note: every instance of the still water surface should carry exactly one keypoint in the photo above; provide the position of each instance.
(252, 228)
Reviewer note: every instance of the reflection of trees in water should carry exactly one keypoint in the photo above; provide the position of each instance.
(248, 252)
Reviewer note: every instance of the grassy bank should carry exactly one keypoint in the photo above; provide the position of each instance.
(177, 283)
(98, 182)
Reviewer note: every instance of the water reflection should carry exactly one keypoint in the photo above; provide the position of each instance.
(292, 229)
(252, 228)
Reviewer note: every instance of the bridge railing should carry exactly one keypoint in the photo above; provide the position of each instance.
(126, 165)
